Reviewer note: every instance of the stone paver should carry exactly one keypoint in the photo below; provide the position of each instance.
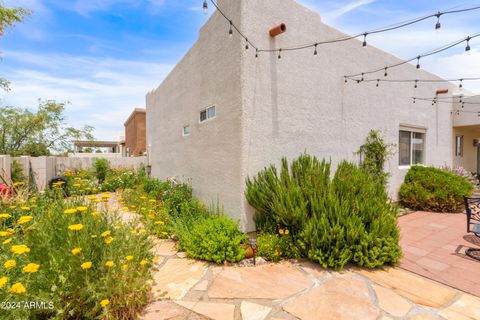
(413, 287)
(253, 311)
(213, 310)
(466, 306)
(434, 246)
(201, 286)
(165, 248)
(273, 281)
(166, 309)
(391, 302)
(177, 277)
(341, 298)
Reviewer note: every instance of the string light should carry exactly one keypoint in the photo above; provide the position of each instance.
(438, 25)
(385, 74)
(467, 48)
(347, 38)
(414, 100)
(246, 45)
(429, 53)
(205, 7)
(256, 53)
(280, 53)
(315, 52)
(378, 80)
(416, 84)
(460, 85)
(346, 80)
(415, 81)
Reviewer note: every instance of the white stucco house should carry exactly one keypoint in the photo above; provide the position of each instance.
(222, 115)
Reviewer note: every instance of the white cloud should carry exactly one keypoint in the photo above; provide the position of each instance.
(102, 91)
(334, 14)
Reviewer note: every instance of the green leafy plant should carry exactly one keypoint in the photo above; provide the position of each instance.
(214, 238)
(432, 189)
(334, 221)
(17, 172)
(101, 167)
(274, 247)
(373, 155)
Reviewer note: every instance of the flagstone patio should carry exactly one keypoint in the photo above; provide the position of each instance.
(188, 289)
(434, 246)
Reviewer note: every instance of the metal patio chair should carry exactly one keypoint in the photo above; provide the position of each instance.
(472, 210)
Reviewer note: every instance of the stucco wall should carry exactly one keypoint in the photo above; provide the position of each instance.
(210, 157)
(269, 107)
(469, 158)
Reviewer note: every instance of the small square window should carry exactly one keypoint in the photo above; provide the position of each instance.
(411, 148)
(459, 146)
(207, 114)
(186, 130)
(203, 115)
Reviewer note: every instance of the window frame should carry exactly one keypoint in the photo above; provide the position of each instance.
(412, 131)
(207, 117)
(459, 145)
(189, 130)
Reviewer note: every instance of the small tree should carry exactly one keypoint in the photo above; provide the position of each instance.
(373, 155)
(23, 132)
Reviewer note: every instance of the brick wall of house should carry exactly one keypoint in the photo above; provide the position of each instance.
(135, 133)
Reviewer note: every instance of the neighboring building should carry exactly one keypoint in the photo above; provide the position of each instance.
(135, 134)
(93, 148)
(222, 115)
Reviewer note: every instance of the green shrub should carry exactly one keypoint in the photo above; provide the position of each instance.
(274, 247)
(101, 167)
(432, 189)
(334, 221)
(17, 172)
(215, 238)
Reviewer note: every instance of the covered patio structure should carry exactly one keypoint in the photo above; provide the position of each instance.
(111, 146)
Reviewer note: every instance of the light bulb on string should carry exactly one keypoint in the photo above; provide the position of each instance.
(385, 74)
(365, 39)
(256, 53)
(280, 53)
(378, 80)
(246, 45)
(414, 100)
(418, 62)
(315, 52)
(346, 79)
(460, 85)
(362, 77)
(230, 31)
(205, 7)
(467, 48)
(438, 25)
(416, 84)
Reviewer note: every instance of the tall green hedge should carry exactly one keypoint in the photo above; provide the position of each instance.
(432, 189)
(347, 218)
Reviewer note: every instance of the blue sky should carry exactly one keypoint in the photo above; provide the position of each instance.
(104, 55)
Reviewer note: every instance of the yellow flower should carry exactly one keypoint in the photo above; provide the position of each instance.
(124, 208)
(106, 233)
(93, 236)
(124, 266)
(117, 227)
(104, 302)
(70, 211)
(280, 231)
(110, 264)
(160, 222)
(12, 207)
(143, 209)
(3, 281)
(108, 240)
(152, 200)
(9, 264)
(143, 262)
(76, 251)
(92, 198)
(286, 231)
(86, 265)
(31, 268)
(20, 249)
(142, 231)
(4, 216)
(82, 209)
(75, 227)
(17, 288)
(133, 231)
(129, 258)
(155, 258)
(7, 241)
(76, 185)
(10, 230)
(24, 219)
(25, 208)
(143, 197)
(4, 234)
(95, 213)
